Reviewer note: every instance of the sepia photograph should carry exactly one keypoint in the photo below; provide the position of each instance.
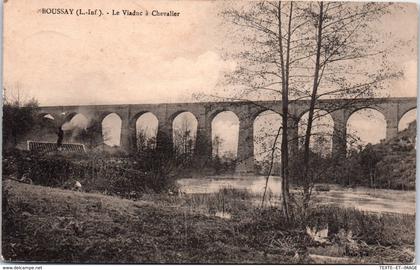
(209, 132)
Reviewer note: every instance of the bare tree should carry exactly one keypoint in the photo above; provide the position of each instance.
(217, 144)
(341, 43)
(308, 51)
(184, 140)
(272, 36)
(144, 141)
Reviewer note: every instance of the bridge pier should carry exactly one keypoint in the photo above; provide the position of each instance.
(339, 140)
(125, 140)
(391, 129)
(203, 140)
(293, 137)
(391, 118)
(245, 156)
(132, 137)
(164, 138)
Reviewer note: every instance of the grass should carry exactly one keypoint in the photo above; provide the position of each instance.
(55, 225)
(47, 224)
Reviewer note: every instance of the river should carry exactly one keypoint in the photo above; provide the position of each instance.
(362, 198)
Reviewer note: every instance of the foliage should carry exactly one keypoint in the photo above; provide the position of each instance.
(374, 166)
(144, 142)
(160, 169)
(120, 175)
(384, 229)
(321, 168)
(18, 120)
(262, 167)
(389, 164)
(223, 165)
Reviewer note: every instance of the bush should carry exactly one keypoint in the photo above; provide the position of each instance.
(383, 229)
(122, 176)
(18, 120)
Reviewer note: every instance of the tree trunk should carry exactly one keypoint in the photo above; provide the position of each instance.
(306, 157)
(285, 110)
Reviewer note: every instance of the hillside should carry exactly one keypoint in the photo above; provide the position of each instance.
(42, 224)
(55, 225)
(397, 167)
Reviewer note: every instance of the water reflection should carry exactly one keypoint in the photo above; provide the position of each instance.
(252, 184)
(362, 198)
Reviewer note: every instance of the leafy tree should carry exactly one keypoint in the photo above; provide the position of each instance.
(160, 163)
(369, 158)
(19, 118)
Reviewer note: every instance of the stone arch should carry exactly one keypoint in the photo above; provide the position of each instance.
(378, 109)
(100, 116)
(136, 116)
(111, 124)
(321, 140)
(265, 129)
(253, 113)
(214, 113)
(174, 115)
(224, 144)
(404, 109)
(184, 133)
(360, 132)
(145, 126)
(406, 118)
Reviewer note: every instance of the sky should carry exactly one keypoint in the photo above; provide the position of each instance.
(87, 60)
(71, 60)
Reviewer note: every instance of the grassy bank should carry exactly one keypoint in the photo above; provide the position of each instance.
(55, 225)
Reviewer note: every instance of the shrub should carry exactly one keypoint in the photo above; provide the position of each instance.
(18, 120)
(122, 176)
(384, 229)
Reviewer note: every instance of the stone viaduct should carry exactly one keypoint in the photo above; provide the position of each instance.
(340, 110)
